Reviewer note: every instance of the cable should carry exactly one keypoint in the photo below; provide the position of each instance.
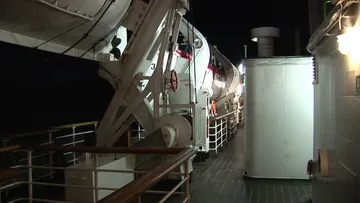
(109, 33)
(189, 61)
(59, 35)
(102, 7)
(66, 31)
(92, 47)
(88, 32)
(189, 64)
(103, 38)
(194, 49)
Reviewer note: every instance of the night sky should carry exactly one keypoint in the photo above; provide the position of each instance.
(228, 24)
(40, 89)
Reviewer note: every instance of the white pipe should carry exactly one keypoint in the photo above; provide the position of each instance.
(245, 51)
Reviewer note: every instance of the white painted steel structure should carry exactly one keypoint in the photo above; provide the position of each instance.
(279, 113)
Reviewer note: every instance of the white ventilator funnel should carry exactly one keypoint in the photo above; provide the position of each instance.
(264, 36)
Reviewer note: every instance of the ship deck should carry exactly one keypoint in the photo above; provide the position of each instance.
(220, 179)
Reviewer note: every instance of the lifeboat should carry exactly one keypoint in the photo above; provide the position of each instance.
(56, 25)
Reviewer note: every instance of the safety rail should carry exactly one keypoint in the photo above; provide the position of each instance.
(63, 135)
(217, 133)
(232, 124)
(130, 192)
(241, 116)
(221, 129)
(138, 131)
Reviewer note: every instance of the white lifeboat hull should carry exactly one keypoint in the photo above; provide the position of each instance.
(32, 22)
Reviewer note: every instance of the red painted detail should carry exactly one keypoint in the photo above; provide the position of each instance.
(184, 54)
(215, 70)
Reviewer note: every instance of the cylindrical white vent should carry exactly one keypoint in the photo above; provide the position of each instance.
(265, 47)
(264, 36)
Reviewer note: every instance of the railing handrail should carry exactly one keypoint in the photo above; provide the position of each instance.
(9, 148)
(33, 133)
(98, 150)
(53, 129)
(135, 188)
(224, 115)
(76, 125)
(103, 150)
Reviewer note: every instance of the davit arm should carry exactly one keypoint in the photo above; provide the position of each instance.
(140, 56)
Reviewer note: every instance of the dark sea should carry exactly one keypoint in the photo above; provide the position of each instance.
(41, 89)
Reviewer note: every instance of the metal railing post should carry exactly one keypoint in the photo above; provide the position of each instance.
(30, 186)
(73, 144)
(132, 191)
(96, 163)
(50, 156)
(139, 131)
(216, 136)
(129, 137)
(187, 184)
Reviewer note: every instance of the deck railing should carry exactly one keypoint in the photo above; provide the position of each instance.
(221, 130)
(64, 135)
(35, 166)
(129, 192)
